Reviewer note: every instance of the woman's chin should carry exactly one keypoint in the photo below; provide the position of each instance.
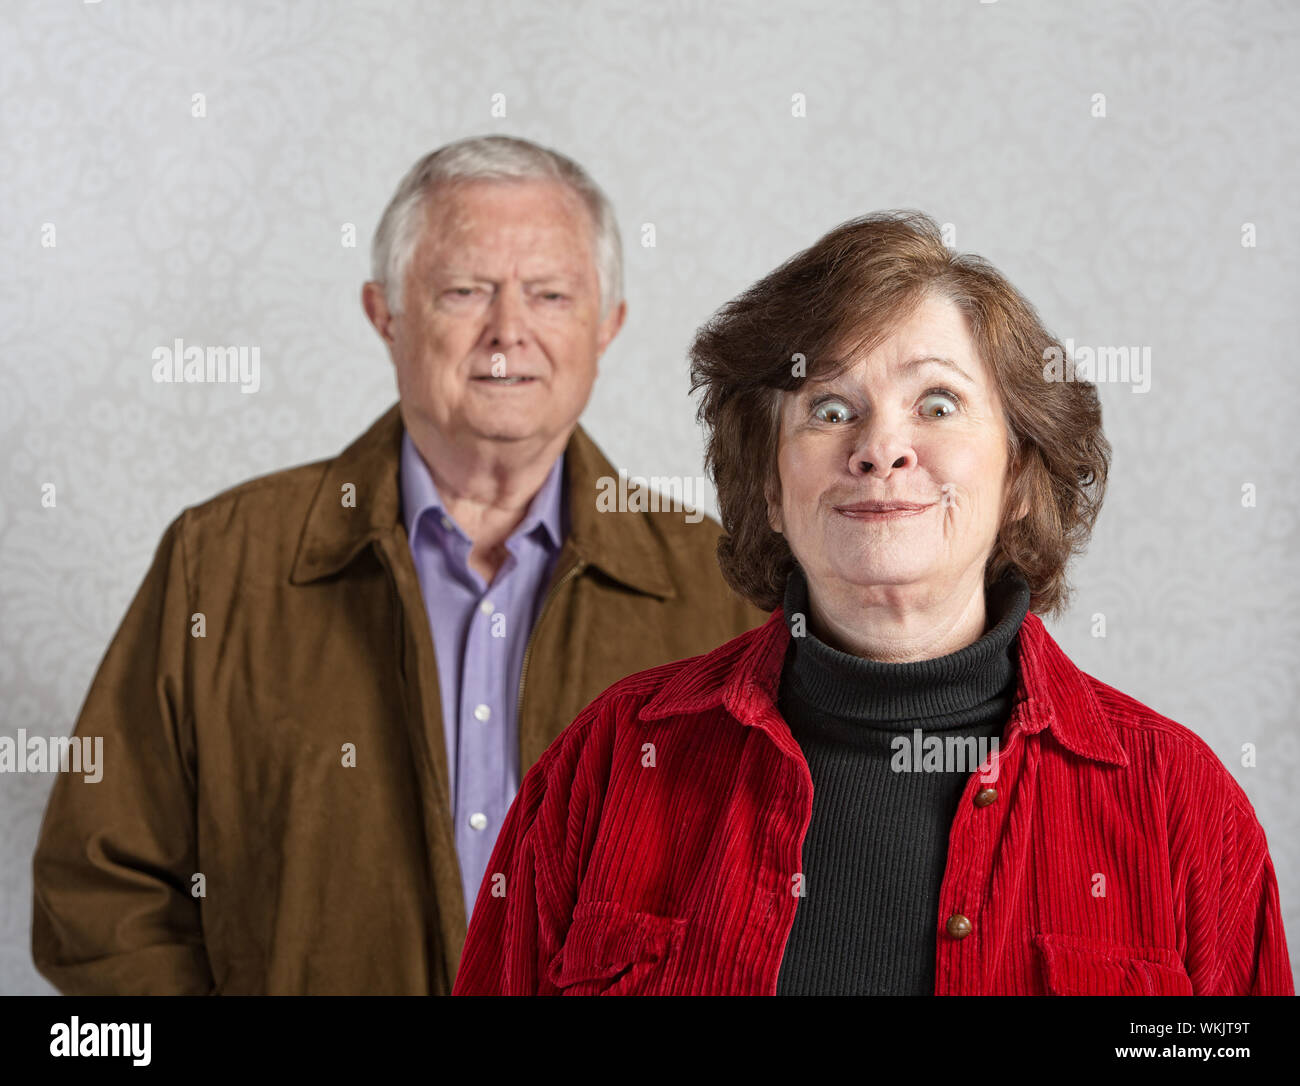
(877, 574)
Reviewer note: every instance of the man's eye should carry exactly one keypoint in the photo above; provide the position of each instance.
(943, 398)
(460, 292)
(553, 296)
(832, 411)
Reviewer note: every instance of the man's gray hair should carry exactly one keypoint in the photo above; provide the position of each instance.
(489, 158)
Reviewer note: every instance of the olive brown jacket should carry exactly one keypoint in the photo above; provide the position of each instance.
(273, 811)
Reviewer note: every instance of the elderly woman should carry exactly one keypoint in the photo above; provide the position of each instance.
(899, 784)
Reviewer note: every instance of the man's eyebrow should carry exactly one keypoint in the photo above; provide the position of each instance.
(543, 277)
(457, 273)
(553, 277)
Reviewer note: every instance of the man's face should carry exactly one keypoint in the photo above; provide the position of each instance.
(500, 331)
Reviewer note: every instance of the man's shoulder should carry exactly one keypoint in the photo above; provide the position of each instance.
(267, 505)
(691, 685)
(650, 532)
(686, 532)
(263, 520)
(670, 506)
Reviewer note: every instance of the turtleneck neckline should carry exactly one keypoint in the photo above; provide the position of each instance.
(933, 693)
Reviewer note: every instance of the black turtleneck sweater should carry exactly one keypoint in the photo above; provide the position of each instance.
(874, 854)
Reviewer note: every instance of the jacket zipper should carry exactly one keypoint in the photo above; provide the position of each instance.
(572, 572)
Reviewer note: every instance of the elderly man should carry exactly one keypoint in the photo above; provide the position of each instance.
(319, 706)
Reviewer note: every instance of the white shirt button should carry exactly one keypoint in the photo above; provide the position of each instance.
(486, 607)
(482, 712)
(478, 820)
(446, 522)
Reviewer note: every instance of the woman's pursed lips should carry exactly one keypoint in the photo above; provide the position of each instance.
(881, 510)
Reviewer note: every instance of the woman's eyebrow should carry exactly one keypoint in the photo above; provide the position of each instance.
(834, 382)
(935, 360)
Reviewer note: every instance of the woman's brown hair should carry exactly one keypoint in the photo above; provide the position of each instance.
(848, 291)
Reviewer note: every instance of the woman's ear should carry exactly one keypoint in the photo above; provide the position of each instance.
(1013, 480)
(773, 511)
(772, 485)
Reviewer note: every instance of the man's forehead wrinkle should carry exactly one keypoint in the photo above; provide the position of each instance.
(439, 257)
(464, 238)
(464, 231)
(474, 260)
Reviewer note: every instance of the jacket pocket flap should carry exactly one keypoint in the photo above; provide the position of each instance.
(606, 938)
(1074, 965)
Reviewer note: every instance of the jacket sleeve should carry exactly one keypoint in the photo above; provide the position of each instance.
(112, 907)
(1252, 952)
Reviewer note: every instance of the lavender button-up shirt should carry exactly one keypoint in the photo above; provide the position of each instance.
(480, 632)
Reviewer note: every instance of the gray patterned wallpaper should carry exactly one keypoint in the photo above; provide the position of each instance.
(197, 170)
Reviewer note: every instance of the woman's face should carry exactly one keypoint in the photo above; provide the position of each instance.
(915, 421)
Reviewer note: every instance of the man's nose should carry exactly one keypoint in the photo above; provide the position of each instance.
(506, 318)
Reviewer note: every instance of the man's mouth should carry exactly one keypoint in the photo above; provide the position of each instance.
(505, 381)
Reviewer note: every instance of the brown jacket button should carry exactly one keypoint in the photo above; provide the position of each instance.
(985, 796)
(958, 926)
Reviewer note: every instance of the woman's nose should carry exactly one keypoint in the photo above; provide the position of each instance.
(883, 448)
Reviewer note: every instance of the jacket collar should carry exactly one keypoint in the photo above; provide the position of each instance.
(624, 546)
(744, 677)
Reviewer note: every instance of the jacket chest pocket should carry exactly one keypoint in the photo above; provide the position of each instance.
(613, 950)
(1073, 965)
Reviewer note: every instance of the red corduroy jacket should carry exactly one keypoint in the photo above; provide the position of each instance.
(653, 849)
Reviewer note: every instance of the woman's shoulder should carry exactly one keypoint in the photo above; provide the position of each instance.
(1157, 743)
(1121, 732)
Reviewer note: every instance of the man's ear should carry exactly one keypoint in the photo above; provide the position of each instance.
(375, 304)
(610, 326)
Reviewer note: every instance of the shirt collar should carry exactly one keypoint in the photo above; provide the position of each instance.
(420, 496)
(744, 675)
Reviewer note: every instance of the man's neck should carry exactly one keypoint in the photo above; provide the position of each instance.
(486, 488)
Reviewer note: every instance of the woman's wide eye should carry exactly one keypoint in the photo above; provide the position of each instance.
(943, 400)
(832, 411)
